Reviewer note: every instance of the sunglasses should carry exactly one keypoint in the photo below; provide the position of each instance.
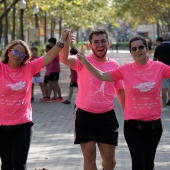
(16, 52)
(141, 47)
(97, 43)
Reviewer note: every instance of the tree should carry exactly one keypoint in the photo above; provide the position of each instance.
(73, 14)
(5, 12)
(144, 11)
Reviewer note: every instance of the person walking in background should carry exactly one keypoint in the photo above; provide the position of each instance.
(16, 74)
(142, 79)
(73, 82)
(36, 77)
(162, 54)
(47, 87)
(158, 41)
(54, 74)
(94, 118)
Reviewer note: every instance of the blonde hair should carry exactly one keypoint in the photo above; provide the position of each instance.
(10, 45)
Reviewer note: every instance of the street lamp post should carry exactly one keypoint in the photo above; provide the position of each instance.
(35, 12)
(22, 7)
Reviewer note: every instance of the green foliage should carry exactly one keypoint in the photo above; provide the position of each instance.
(143, 11)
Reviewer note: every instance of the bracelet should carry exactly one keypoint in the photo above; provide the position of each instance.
(61, 41)
(59, 44)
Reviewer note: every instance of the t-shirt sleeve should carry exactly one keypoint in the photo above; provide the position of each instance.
(36, 65)
(78, 65)
(116, 74)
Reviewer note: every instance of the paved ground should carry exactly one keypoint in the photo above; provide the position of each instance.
(52, 146)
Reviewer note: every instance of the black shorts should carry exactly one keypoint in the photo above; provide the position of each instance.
(102, 128)
(54, 76)
(73, 84)
(46, 79)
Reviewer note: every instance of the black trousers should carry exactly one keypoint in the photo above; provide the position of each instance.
(142, 139)
(14, 146)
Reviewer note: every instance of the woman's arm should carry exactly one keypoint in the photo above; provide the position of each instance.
(103, 76)
(120, 93)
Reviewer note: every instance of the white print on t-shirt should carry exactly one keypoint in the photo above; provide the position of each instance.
(101, 89)
(17, 86)
(146, 86)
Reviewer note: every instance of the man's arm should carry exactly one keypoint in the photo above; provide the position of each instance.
(120, 93)
(64, 56)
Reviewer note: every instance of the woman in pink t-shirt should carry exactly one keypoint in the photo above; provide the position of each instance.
(15, 92)
(142, 79)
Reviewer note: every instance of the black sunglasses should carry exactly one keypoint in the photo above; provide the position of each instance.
(141, 47)
(16, 52)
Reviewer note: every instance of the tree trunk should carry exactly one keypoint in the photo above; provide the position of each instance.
(1, 30)
(6, 25)
(52, 26)
(13, 23)
(45, 27)
(169, 20)
(60, 26)
(77, 37)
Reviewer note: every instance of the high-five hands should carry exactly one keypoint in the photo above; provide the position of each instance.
(66, 36)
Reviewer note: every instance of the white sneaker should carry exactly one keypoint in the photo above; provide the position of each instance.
(164, 109)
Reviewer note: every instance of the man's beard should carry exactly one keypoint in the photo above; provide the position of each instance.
(98, 55)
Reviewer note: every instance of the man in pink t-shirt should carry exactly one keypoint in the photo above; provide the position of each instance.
(94, 118)
(54, 74)
(73, 82)
(142, 111)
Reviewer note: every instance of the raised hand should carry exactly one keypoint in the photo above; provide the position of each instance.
(65, 34)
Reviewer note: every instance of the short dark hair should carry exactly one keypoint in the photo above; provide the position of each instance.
(48, 47)
(159, 39)
(34, 48)
(52, 40)
(136, 39)
(73, 51)
(98, 32)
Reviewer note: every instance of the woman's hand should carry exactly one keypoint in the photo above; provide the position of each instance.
(66, 36)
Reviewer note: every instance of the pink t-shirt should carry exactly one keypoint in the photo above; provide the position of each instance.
(54, 66)
(94, 95)
(142, 89)
(73, 75)
(47, 73)
(38, 74)
(15, 92)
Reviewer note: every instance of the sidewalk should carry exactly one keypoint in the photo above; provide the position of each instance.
(52, 146)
